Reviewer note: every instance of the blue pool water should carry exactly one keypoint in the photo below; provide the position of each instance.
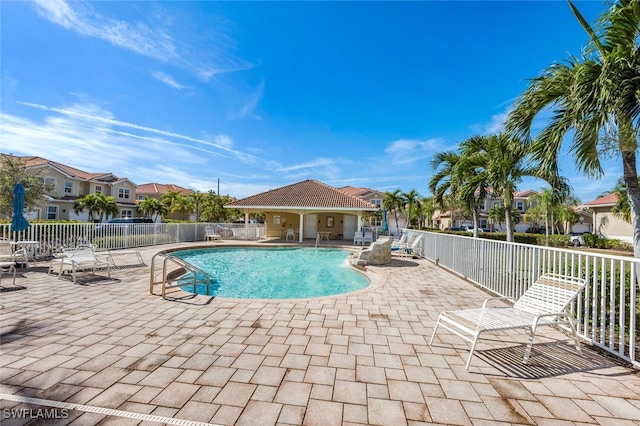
(274, 273)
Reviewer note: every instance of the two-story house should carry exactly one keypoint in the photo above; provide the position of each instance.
(70, 183)
(375, 197)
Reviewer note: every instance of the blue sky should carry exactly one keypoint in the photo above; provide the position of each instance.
(265, 94)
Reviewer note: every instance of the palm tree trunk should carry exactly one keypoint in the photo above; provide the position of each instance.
(476, 222)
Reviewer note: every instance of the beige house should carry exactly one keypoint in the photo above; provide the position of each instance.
(606, 223)
(70, 184)
(305, 209)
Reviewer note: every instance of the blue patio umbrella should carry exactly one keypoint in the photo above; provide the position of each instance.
(18, 222)
(385, 223)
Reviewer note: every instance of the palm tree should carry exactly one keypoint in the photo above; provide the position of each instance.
(497, 213)
(410, 199)
(499, 162)
(169, 198)
(197, 198)
(99, 204)
(596, 96)
(427, 210)
(182, 204)
(152, 207)
(90, 203)
(393, 202)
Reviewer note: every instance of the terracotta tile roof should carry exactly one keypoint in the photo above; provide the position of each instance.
(357, 192)
(524, 194)
(34, 161)
(607, 200)
(160, 189)
(308, 193)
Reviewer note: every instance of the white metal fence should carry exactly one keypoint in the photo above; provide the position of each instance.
(51, 237)
(608, 311)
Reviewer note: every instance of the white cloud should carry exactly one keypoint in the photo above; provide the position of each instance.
(168, 80)
(252, 102)
(495, 126)
(409, 151)
(80, 17)
(154, 37)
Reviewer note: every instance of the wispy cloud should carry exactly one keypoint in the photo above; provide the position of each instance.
(153, 37)
(324, 168)
(409, 151)
(494, 126)
(154, 42)
(249, 107)
(88, 137)
(103, 119)
(168, 80)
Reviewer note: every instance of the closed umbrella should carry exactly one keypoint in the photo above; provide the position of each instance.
(18, 222)
(385, 223)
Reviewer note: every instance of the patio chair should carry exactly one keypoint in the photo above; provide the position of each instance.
(546, 302)
(79, 259)
(210, 234)
(368, 237)
(8, 267)
(411, 249)
(358, 238)
(290, 233)
(8, 253)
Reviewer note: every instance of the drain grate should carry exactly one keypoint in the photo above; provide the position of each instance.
(100, 410)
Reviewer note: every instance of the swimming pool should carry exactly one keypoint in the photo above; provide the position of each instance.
(274, 273)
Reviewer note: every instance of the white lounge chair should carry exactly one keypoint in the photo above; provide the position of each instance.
(290, 233)
(358, 238)
(546, 302)
(210, 234)
(8, 253)
(411, 249)
(83, 258)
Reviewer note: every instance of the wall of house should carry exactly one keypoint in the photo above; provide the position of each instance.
(612, 227)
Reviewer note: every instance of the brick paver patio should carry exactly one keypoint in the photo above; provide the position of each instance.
(108, 352)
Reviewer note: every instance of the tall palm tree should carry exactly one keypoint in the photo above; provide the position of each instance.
(502, 161)
(170, 197)
(183, 204)
(410, 199)
(107, 206)
(393, 202)
(597, 97)
(197, 198)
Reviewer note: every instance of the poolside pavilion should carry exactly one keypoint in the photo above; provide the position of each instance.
(307, 208)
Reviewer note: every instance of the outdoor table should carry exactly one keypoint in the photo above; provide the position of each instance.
(324, 234)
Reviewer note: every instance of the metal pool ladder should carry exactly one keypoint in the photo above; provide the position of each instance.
(172, 264)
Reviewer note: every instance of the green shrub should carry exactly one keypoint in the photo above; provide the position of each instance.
(555, 240)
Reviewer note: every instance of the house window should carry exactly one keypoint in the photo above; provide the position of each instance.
(496, 203)
(376, 202)
(68, 187)
(98, 189)
(276, 219)
(123, 193)
(520, 205)
(126, 213)
(52, 212)
(140, 197)
(482, 206)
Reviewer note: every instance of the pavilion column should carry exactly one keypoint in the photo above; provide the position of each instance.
(301, 229)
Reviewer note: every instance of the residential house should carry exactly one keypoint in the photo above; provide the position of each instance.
(605, 222)
(307, 208)
(70, 183)
(376, 197)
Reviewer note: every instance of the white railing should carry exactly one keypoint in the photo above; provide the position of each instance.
(608, 311)
(51, 237)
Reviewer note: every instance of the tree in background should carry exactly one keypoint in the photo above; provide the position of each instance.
(597, 97)
(427, 210)
(411, 204)
(183, 204)
(14, 170)
(152, 207)
(197, 198)
(393, 202)
(100, 204)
